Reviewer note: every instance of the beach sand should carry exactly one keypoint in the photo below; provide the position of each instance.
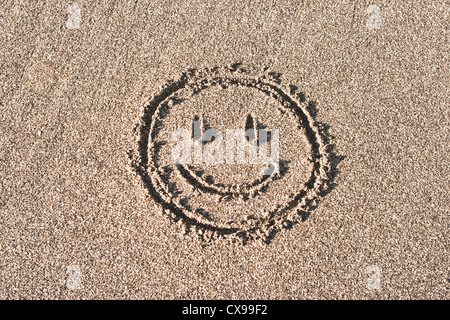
(79, 220)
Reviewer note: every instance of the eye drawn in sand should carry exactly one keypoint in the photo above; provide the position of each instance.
(237, 200)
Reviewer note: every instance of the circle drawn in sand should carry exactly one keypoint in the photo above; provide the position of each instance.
(236, 202)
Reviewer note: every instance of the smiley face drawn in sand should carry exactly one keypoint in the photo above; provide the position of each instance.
(239, 199)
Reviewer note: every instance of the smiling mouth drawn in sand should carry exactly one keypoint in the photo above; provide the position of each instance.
(226, 185)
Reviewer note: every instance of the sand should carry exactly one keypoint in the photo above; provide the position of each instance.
(90, 209)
